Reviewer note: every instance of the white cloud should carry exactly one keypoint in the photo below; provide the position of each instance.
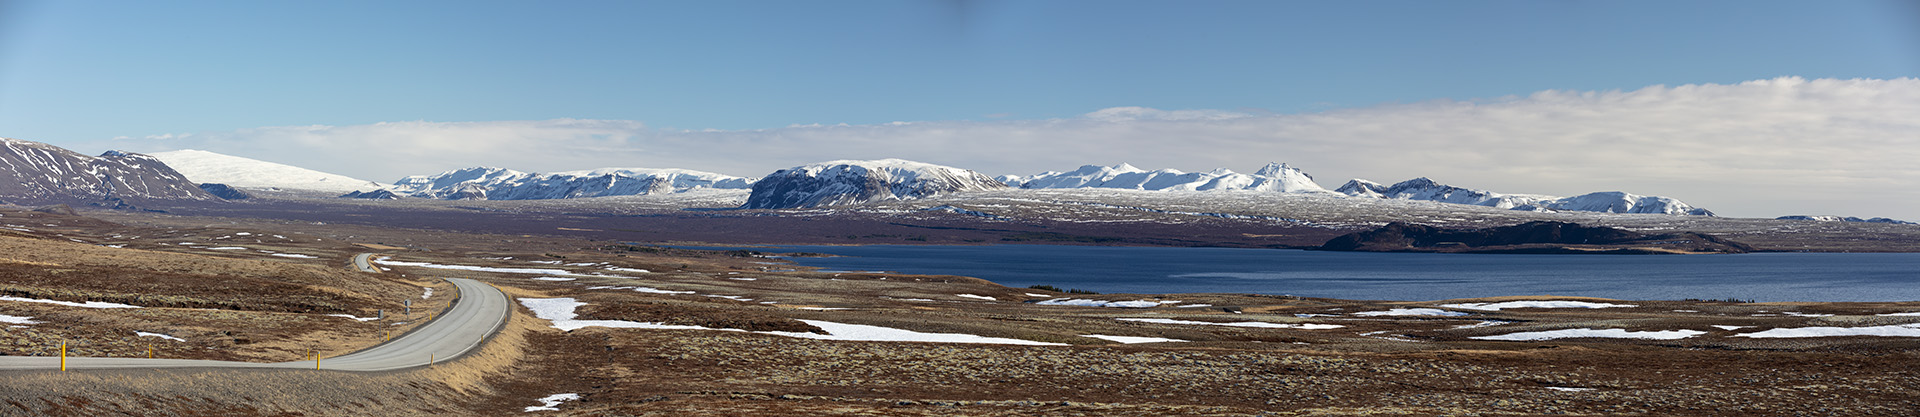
(1838, 146)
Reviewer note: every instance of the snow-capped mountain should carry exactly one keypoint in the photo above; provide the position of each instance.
(1605, 202)
(47, 174)
(853, 182)
(488, 183)
(1844, 219)
(1427, 190)
(1276, 177)
(247, 173)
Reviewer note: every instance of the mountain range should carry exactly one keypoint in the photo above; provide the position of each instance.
(1604, 202)
(488, 183)
(1275, 177)
(47, 174)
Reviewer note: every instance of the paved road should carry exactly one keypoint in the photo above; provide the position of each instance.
(364, 262)
(480, 311)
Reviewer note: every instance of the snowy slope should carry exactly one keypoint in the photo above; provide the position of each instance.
(488, 183)
(47, 174)
(1844, 219)
(853, 182)
(214, 168)
(1423, 189)
(1274, 177)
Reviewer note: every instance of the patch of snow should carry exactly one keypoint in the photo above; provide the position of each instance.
(552, 279)
(633, 270)
(88, 304)
(730, 297)
(426, 295)
(860, 332)
(1131, 339)
(1686, 311)
(228, 248)
(1594, 333)
(1411, 312)
(1312, 315)
(552, 402)
(1259, 324)
(1800, 314)
(386, 261)
(162, 336)
(651, 290)
(1098, 303)
(744, 279)
(350, 316)
(1903, 330)
(1727, 327)
(17, 319)
(976, 297)
(1916, 313)
(560, 312)
(1485, 323)
(1037, 295)
(1532, 304)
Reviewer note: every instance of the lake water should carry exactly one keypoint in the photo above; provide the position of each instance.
(1401, 276)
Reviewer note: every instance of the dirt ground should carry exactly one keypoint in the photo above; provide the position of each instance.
(1298, 364)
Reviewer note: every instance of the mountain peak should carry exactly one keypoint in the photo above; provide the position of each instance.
(853, 182)
(48, 174)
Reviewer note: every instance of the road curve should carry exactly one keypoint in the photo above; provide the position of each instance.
(480, 311)
(364, 262)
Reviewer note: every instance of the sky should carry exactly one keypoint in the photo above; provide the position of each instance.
(1749, 108)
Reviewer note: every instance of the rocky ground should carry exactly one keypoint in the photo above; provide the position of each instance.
(1302, 356)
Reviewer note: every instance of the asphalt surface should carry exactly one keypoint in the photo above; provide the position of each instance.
(480, 311)
(364, 262)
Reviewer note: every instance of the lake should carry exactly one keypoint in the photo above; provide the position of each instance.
(1401, 276)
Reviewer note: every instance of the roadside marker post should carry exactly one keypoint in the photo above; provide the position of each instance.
(63, 356)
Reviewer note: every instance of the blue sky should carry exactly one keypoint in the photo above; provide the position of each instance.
(79, 70)
(81, 73)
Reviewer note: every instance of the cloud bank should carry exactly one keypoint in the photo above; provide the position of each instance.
(1759, 148)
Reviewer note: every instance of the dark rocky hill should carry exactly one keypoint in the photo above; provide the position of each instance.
(1532, 237)
(42, 174)
(854, 182)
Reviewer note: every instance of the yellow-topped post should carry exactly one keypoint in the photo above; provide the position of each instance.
(63, 356)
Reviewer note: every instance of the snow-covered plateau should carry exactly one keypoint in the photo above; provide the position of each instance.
(213, 168)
